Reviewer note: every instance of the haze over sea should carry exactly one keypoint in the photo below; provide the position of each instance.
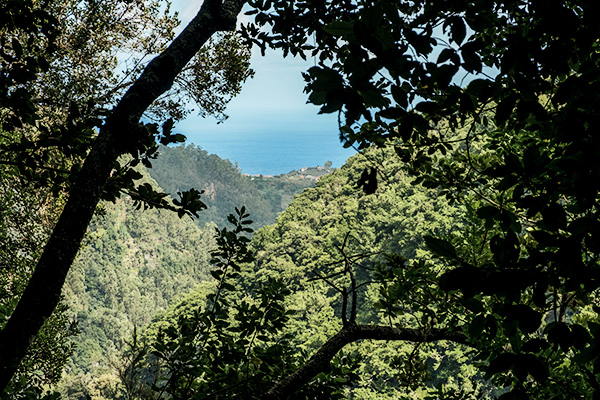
(271, 130)
(268, 152)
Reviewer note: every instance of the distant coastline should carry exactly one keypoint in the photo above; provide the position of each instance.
(273, 153)
(308, 173)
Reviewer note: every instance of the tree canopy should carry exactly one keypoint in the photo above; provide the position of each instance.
(492, 103)
(74, 142)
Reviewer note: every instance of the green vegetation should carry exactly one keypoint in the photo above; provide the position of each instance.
(309, 239)
(132, 265)
(493, 103)
(26, 218)
(128, 273)
(490, 104)
(336, 226)
(184, 167)
(58, 80)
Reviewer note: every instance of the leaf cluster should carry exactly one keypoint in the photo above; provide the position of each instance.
(495, 104)
(230, 344)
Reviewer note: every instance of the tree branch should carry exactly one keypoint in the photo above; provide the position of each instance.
(120, 134)
(349, 334)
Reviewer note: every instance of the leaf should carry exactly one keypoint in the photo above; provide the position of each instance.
(514, 394)
(535, 367)
(488, 212)
(18, 49)
(445, 55)
(392, 113)
(469, 279)
(372, 16)
(528, 319)
(478, 88)
(368, 181)
(441, 247)
(399, 95)
(502, 363)
(178, 138)
(428, 107)
(458, 29)
(420, 42)
(559, 333)
(476, 326)
(340, 28)
(581, 337)
(504, 109)
(471, 60)
(216, 274)
(473, 304)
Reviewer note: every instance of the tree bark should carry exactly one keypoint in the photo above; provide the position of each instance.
(120, 131)
(321, 360)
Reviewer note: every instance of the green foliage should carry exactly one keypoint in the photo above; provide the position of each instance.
(489, 104)
(224, 187)
(26, 217)
(224, 342)
(337, 221)
(133, 265)
(282, 299)
(63, 65)
(494, 103)
(60, 75)
(216, 75)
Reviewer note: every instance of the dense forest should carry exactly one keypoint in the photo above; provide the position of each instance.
(455, 257)
(139, 269)
(134, 263)
(182, 168)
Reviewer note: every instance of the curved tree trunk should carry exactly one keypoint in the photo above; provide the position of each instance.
(351, 333)
(119, 132)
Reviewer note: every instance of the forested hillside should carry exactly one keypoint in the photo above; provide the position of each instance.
(132, 265)
(336, 226)
(458, 257)
(135, 262)
(184, 167)
(314, 237)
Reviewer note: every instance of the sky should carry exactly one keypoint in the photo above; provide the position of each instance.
(271, 110)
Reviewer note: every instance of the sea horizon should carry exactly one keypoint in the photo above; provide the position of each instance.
(273, 153)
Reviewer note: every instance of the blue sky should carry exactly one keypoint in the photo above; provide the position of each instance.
(271, 110)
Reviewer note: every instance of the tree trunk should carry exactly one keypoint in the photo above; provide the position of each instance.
(320, 361)
(120, 130)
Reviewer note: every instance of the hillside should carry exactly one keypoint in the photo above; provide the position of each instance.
(183, 167)
(312, 238)
(334, 222)
(135, 263)
(143, 266)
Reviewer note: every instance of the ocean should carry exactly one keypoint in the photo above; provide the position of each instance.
(272, 153)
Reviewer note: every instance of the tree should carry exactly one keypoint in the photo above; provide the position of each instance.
(306, 243)
(494, 103)
(32, 24)
(517, 143)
